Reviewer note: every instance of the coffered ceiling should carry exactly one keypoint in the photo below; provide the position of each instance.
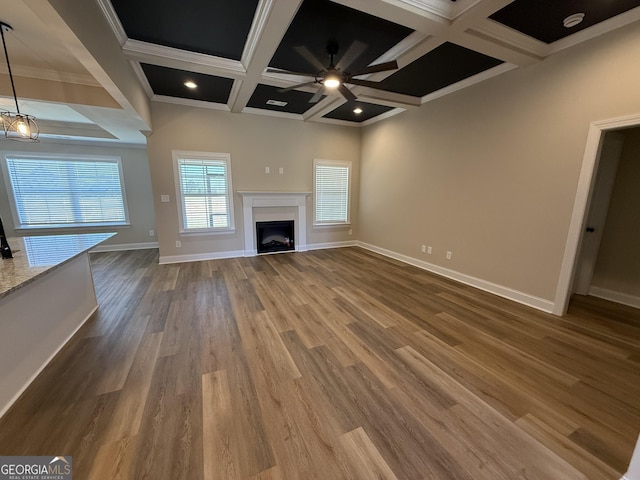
(236, 51)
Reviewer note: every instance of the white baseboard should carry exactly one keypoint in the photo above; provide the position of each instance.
(322, 246)
(124, 246)
(197, 257)
(502, 291)
(623, 298)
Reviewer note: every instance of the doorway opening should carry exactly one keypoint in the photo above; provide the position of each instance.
(602, 143)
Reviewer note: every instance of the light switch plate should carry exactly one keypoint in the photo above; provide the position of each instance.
(164, 198)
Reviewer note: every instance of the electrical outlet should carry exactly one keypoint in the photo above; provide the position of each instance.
(449, 255)
(424, 249)
(267, 170)
(178, 244)
(350, 232)
(281, 171)
(429, 250)
(164, 198)
(152, 232)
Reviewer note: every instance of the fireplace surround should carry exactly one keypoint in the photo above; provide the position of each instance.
(290, 205)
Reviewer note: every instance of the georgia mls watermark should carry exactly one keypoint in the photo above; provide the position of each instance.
(35, 468)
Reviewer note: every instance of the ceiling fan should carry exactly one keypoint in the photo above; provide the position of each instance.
(336, 76)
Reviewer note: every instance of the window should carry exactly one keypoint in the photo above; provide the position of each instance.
(58, 192)
(331, 182)
(204, 191)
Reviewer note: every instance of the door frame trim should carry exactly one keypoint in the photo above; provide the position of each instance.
(581, 204)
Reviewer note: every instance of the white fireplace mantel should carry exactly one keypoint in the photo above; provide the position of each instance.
(258, 199)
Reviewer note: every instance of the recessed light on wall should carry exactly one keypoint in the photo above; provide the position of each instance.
(190, 84)
(357, 110)
(573, 20)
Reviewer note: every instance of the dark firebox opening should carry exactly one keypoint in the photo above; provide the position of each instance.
(275, 236)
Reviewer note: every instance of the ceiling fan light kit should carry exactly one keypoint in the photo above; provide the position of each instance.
(335, 76)
(16, 125)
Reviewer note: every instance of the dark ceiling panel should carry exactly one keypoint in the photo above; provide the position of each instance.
(345, 111)
(444, 66)
(170, 82)
(319, 21)
(543, 20)
(217, 28)
(297, 102)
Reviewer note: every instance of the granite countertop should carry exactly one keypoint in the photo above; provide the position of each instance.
(37, 255)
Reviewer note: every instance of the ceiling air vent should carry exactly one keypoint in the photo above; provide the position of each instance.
(277, 103)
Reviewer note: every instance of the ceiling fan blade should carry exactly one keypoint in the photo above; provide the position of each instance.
(309, 57)
(365, 83)
(317, 96)
(349, 56)
(293, 87)
(346, 93)
(380, 67)
(289, 72)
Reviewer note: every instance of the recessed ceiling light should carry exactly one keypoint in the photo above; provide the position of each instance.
(277, 103)
(357, 110)
(573, 20)
(190, 84)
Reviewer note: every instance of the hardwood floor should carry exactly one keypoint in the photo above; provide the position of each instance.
(327, 365)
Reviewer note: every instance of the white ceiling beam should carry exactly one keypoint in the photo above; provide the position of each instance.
(402, 13)
(270, 24)
(83, 29)
(153, 54)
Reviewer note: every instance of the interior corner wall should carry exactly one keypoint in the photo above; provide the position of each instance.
(618, 266)
(490, 173)
(254, 142)
(137, 184)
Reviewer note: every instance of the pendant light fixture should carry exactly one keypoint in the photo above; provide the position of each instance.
(17, 126)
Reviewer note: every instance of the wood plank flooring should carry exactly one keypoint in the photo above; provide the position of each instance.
(327, 365)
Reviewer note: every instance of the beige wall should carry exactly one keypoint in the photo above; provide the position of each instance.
(254, 141)
(618, 265)
(491, 172)
(137, 184)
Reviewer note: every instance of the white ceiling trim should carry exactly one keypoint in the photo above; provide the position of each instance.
(182, 59)
(382, 116)
(137, 69)
(272, 113)
(490, 29)
(270, 24)
(467, 82)
(53, 75)
(596, 30)
(114, 22)
(187, 102)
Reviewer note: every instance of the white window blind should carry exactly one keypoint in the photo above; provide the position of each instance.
(331, 192)
(205, 186)
(57, 192)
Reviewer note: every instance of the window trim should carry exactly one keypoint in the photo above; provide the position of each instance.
(332, 163)
(4, 166)
(217, 156)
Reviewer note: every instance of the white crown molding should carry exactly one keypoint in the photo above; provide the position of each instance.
(52, 75)
(114, 22)
(512, 38)
(335, 121)
(383, 116)
(596, 30)
(272, 113)
(183, 59)
(467, 82)
(187, 102)
(142, 78)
